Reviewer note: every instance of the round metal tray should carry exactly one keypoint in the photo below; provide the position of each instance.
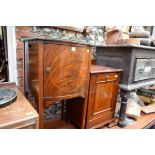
(7, 96)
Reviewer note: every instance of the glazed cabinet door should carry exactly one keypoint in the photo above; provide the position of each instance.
(102, 98)
(66, 70)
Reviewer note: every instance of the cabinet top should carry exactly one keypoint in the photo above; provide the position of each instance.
(103, 69)
(46, 38)
(126, 46)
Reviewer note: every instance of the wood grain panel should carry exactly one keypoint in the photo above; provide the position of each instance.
(102, 95)
(67, 70)
(33, 69)
(103, 98)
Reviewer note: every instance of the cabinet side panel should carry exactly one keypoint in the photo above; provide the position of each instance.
(33, 68)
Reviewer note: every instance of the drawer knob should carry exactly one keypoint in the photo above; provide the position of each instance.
(73, 49)
(48, 69)
(107, 77)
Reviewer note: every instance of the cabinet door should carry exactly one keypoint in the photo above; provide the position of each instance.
(66, 70)
(102, 96)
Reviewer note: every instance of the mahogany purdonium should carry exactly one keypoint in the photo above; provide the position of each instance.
(103, 88)
(137, 64)
(56, 70)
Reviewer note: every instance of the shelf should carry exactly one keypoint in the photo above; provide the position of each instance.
(144, 121)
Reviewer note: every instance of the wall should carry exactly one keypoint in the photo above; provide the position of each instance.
(96, 37)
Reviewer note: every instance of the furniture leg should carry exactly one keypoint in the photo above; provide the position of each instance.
(122, 116)
(83, 125)
(41, 116)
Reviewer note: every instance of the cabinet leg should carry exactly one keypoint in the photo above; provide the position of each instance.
(83, 125)
(41, 115)
(41, 120)
(122, 116)
(62, 109)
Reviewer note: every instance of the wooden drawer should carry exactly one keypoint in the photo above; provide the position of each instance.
(106, 77)
(144, 69)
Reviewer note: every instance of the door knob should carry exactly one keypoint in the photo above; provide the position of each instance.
(48, 69)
